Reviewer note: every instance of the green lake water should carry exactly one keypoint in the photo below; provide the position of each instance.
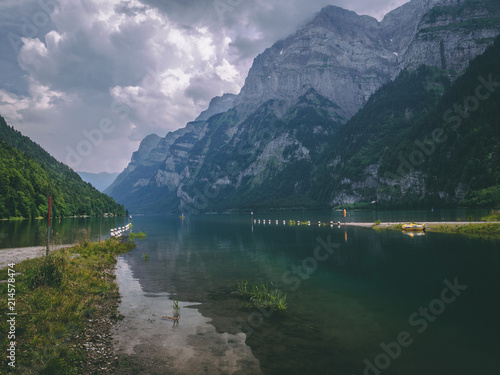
(351, 291)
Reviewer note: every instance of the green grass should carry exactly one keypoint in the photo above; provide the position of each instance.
(493, 216)
(261, 295)
(55, 299)
(491, 230)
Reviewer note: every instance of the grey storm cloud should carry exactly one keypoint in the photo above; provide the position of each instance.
(88, 79)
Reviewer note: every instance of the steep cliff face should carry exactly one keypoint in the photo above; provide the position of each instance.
(451, 34)
(268, 145)
(418, 142)
(339, 54)
(347, 57)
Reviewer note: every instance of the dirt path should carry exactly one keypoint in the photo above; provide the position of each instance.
(17, 255)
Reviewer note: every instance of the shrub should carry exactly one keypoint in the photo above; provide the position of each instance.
(46, 271)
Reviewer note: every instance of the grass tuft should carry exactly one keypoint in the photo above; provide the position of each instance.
(47, 271)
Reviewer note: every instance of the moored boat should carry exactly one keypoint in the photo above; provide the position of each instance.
(413, 226)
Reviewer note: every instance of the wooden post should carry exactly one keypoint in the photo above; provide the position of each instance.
(48, 227)
(100, 220)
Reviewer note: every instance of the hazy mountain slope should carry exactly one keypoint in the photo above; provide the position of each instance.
(98, 180)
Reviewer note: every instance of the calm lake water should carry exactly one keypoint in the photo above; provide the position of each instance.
(24, 233)
(351, 292)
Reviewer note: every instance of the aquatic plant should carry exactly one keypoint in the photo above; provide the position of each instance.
(261, 295)
(176, 304)
(241, 288)
(139, 235)
(145, 257)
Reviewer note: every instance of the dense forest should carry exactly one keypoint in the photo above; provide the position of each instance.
(29, 175)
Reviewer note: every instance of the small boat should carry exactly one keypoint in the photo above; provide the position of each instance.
(413, 226)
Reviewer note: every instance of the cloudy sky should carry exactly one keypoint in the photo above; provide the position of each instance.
(88, 79)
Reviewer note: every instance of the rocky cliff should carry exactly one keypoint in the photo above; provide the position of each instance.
(347, 57)
(266, 146)
(450, 34)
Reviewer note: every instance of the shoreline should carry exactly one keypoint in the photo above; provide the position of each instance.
(431, 224)
(478, 229)
(18, 254)
(82, 307)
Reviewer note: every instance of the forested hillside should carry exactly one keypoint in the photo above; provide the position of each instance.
(29, 175)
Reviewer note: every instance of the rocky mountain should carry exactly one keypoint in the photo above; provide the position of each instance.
(269, 146)
(421, 141)
(347, 57)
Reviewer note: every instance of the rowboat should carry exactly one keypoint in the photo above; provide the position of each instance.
(413, 226)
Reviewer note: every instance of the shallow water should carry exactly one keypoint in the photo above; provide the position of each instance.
(351, 292)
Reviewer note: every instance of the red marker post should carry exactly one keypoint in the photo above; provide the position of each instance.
(48, 227)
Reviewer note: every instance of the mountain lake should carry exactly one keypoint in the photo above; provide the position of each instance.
(360, 301)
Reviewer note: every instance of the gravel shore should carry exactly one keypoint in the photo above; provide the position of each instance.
(17, 255)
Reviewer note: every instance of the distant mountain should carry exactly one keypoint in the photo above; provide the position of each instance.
(98, 180)
(321, 114)
(29, 175)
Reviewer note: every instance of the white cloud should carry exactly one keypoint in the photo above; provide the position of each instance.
(11, 105)
(227, 72)
(160, 62)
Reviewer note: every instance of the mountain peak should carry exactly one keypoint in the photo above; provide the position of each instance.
(335, 12)
(147, 144)
(217, 105)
